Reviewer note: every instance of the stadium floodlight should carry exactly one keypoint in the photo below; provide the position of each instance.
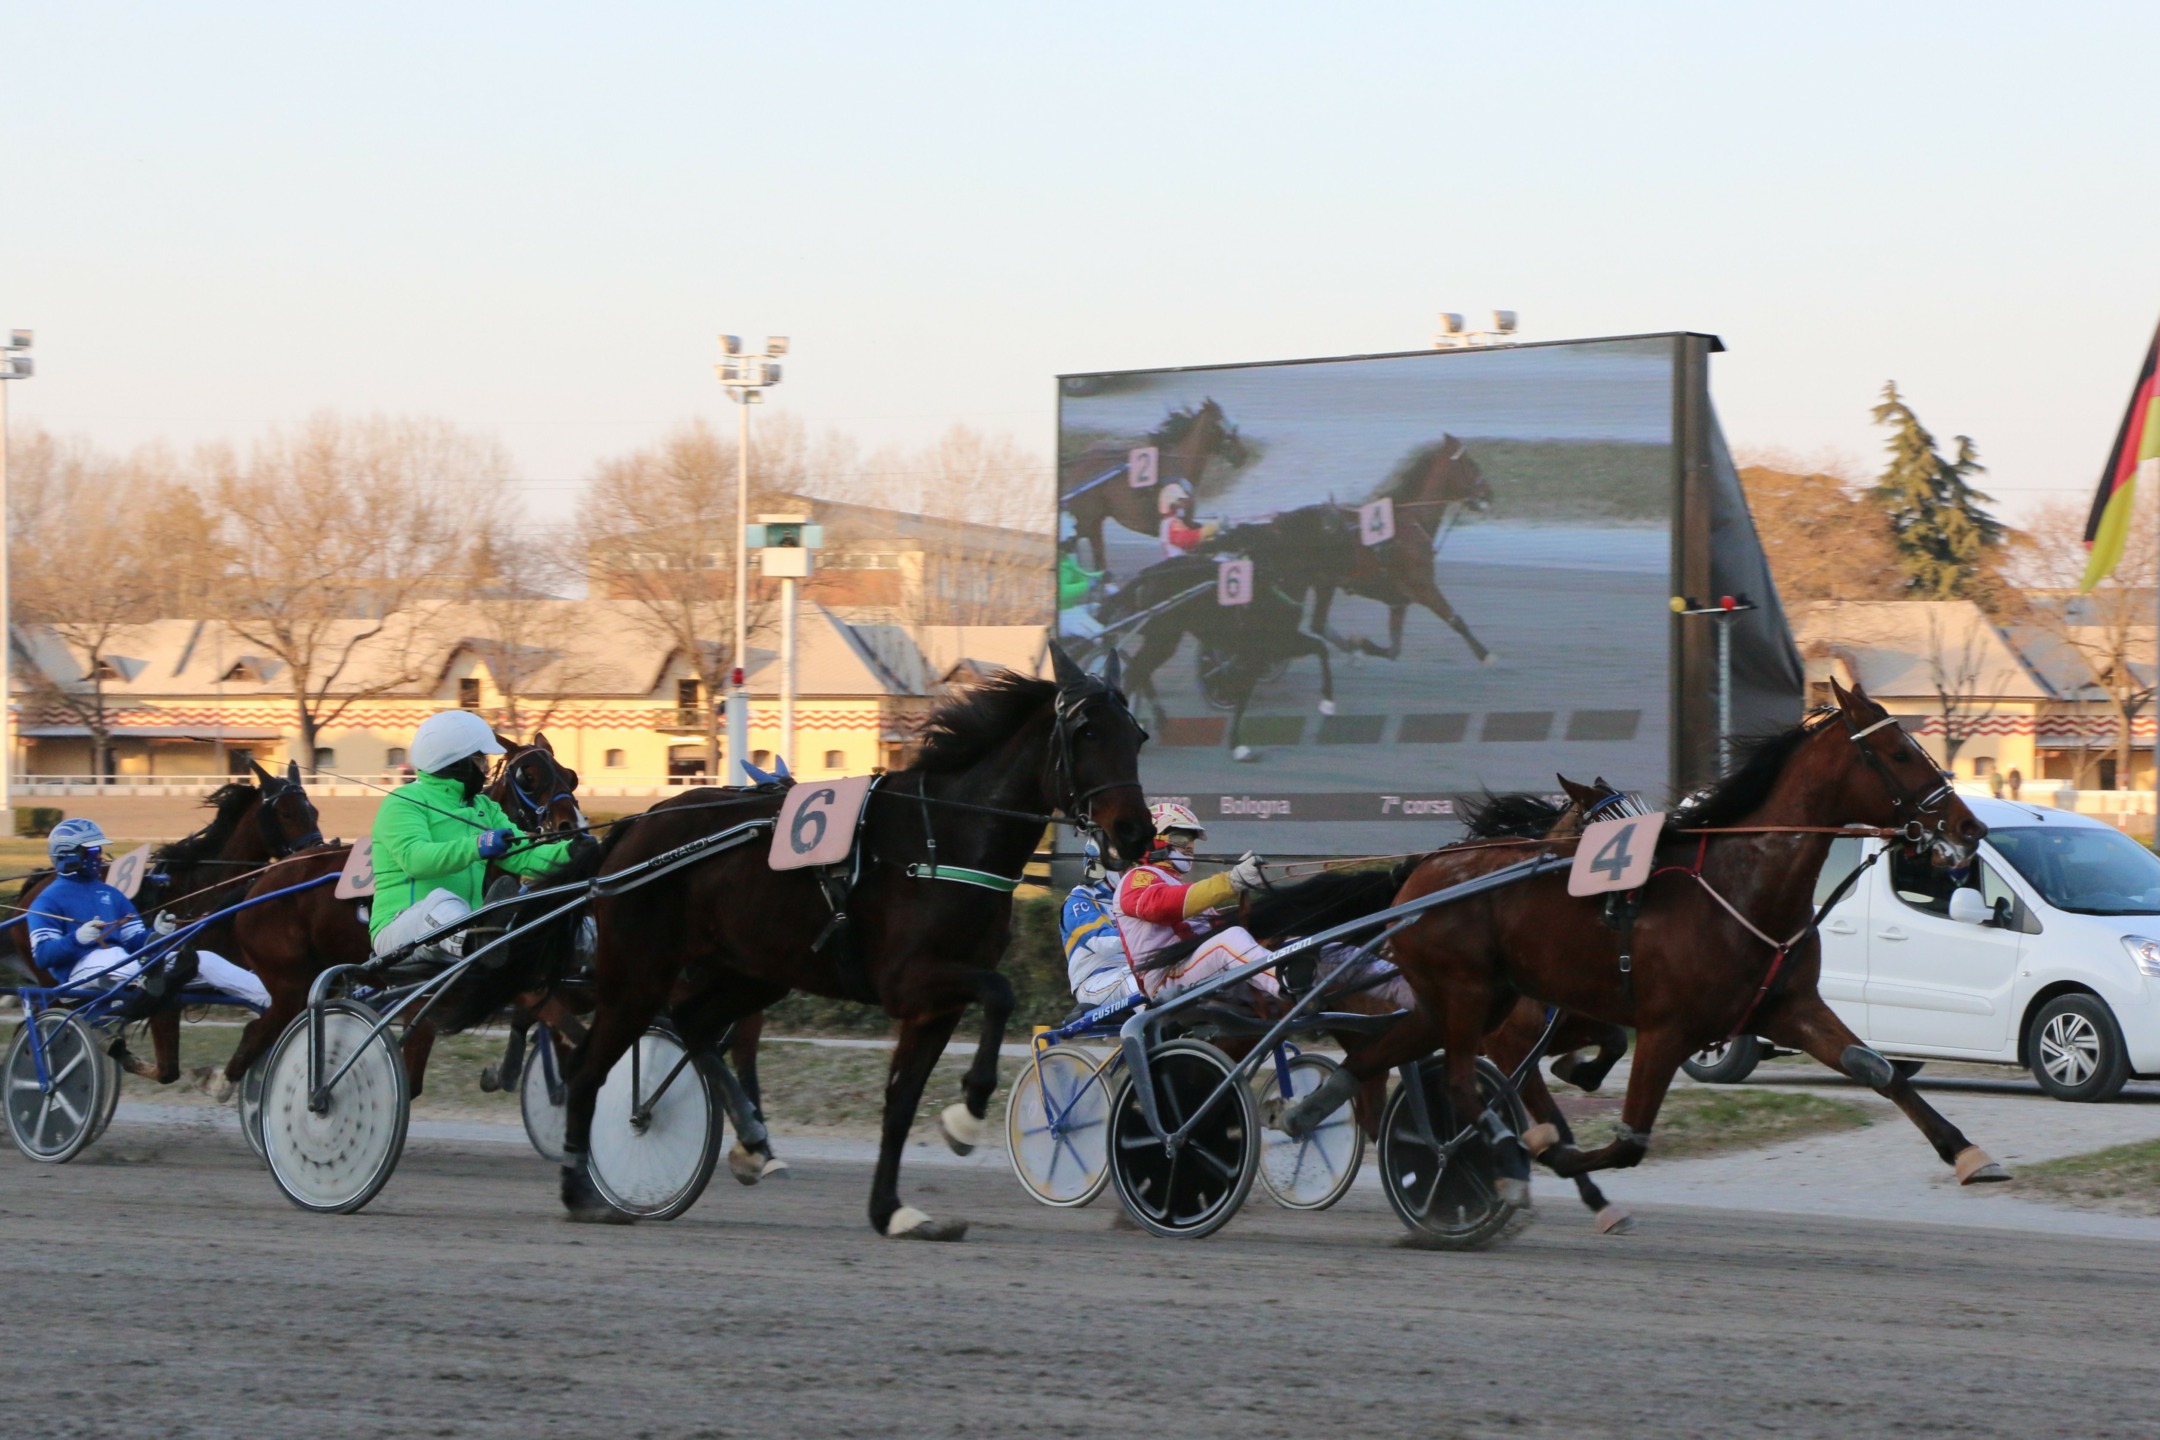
(1450, 323)
(1503, 322)
(745, 378)
(21, 339)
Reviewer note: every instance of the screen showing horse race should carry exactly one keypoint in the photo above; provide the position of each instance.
(1345, 594)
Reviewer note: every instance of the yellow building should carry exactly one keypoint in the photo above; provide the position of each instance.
(186, 700)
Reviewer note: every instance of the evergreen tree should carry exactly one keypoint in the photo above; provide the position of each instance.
(1946, 542)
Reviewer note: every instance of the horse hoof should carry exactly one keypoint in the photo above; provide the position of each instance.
(774, 1169)
(1272, 1111)
(908, 1223)
(1975, 1168)
(583, 1203)
(1612, 1220)
(1540, 1138)
(747, 1168)
(1488, 659)
(1515, 1194)
(962, 1131)
(1327, 707)
(1243, 752)
(490, 1079)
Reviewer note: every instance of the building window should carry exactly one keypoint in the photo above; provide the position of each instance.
(686, 693)
(468, 692)
(762, 759)
(325, 757)
(393, 757)
(616, 760)
(836, 759)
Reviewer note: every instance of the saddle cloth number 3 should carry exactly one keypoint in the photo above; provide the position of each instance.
(1616, 854)
(817, 823)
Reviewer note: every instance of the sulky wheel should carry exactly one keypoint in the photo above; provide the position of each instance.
(541, 1092)
(655, 1129)
(1196, 1190)
(52, 1117)
(1315, 1172)
(1057, 1127)
(1449, 1198)
(334, 1162)
(251, 1103)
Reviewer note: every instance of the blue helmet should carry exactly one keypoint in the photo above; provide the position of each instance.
(77, 849)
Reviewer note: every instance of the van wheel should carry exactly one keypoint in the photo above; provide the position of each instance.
(1726, 1063)
(2076, 1049)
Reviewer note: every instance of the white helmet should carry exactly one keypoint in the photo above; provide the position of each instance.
(1169, 815)
(443, 740)
(1171, 496)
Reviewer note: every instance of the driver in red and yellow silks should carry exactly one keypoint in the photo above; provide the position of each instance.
(1156, 907)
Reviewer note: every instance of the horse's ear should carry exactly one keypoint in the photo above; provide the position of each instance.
(1113, 668)
(1449, 445)
(292, 772)
(540, 742)
(1840, 694)
(506, 742)
(1063, 669)
(262, 776)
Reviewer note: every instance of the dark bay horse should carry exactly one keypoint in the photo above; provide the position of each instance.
(1094, 488)
(1429, 488)
(1239, 645)
(728, 936)
(1724, 939)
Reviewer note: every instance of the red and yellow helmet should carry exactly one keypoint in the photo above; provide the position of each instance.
(1170, 816)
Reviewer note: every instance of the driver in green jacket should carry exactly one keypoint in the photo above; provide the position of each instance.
(435, 837)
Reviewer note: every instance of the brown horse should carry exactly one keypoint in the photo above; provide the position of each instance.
(1095, 488)
(1724, 938)
(728, 936)
(1429, 489)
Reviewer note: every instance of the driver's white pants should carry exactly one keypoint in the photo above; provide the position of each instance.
(111, 966)
(1224, 950)
(1386, 982)
(434, 910)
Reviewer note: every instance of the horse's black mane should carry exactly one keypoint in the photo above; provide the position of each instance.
(980, 718)
(231, 802)
(1740, 794)
(1178, 424)
(1492, 817)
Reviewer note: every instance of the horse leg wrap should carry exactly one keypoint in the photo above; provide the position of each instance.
(1510, 1161)
(963, 1130)
(582, 1199)
(1864, 1065)
(1300, 1120)
(1975, 1168)
(1540, 1138)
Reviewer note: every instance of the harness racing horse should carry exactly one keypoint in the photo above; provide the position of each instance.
(1239, 644)
(1723, 938)
(1095, 488)
(1429, 488)
(939, 847)
(254, 824)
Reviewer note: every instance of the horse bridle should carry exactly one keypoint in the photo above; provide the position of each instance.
(1921, 805)
(535, 810)
(1070, 715)
(266, 816)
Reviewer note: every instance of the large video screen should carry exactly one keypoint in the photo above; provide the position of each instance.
(1348, 593)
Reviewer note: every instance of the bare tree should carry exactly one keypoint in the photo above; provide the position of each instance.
(514, 611)
(1825, 537)
(2110, 629)
(1968, 674)
(660, 529)
(345, 535)
(81, 571)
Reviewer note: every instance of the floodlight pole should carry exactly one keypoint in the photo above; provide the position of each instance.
(746, 378)
(15, 364)
(1726, 610)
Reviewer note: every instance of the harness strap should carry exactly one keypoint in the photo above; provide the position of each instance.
(961, 875)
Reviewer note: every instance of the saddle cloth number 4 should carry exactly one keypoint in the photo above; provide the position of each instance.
(817, 823)
(1616, 854)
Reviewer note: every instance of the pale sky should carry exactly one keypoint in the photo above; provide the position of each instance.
(533, 218)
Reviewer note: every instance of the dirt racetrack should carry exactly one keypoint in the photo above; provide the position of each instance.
(160, 1286)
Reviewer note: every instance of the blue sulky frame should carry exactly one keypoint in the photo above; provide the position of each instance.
(1142, 1031)
(92, 1002)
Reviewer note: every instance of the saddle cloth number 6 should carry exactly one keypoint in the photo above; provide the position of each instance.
(817, 823)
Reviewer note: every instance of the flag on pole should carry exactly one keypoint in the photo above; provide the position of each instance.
(2135, 458)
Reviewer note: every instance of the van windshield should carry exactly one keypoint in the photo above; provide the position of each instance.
(2088, 872)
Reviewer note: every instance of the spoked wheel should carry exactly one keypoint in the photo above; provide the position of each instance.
(1196, 1190)
(541, 1095)
(251, 1103)
(334, 1162)
(655, 1129)
(1214, 677)
(53, 1118)
(1726, 1063)
(1449, 1197)
(1057, 1127)
(1315, 1172)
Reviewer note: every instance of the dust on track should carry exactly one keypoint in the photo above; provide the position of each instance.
(161, 1286)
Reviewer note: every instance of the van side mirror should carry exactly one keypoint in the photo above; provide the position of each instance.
(1967, 908)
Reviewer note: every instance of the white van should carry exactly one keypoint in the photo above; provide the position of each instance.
(2048, 957)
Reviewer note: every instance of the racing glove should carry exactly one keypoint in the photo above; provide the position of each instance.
(1245, 875)
(89, 932)
(494, 844)
(166, 923)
